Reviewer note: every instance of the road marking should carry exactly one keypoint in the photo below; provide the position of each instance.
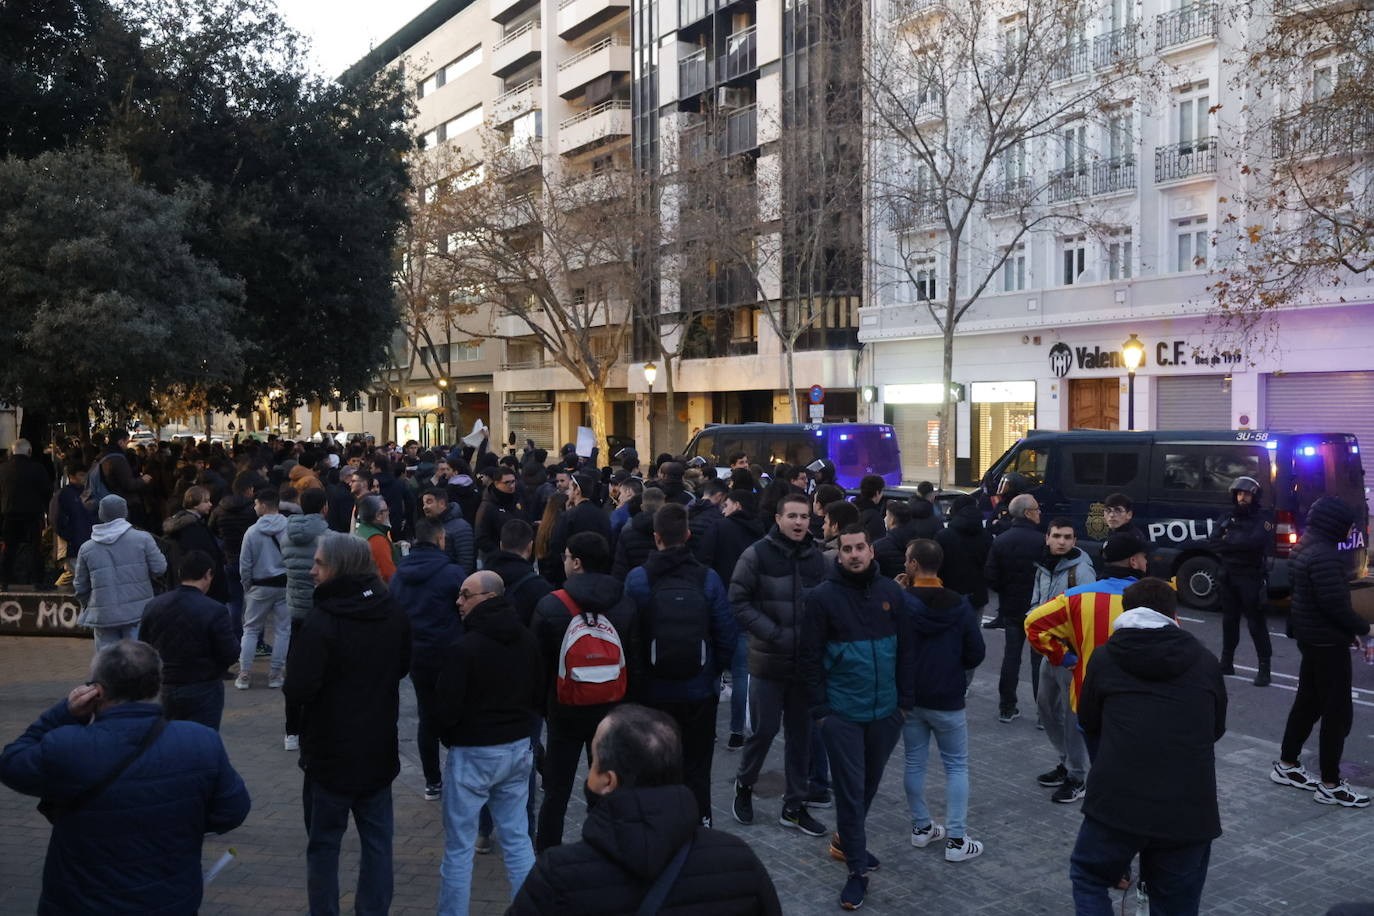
(1293, 677)
(1279, 635)
(1288, 687)
(1191, 619)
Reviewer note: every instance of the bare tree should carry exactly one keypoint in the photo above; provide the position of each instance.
(965, 98)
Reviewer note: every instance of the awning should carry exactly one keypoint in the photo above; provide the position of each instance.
(418, 412)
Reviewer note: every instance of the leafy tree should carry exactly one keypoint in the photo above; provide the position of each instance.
(102, 300)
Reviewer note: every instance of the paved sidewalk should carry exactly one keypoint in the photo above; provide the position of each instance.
(1282, 854)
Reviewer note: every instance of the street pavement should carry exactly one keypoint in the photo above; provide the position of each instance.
(1281, 852)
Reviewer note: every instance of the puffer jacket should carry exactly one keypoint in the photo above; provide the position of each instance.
(426, 586)
(628, 839)
(496, 509)
(136, 847)
(890, 550)
(856, 649)
(704, 515)
(966, 544)
(770, 584)
(230, 521)
(114, 574)
(1010, 569)
(189, 532)
(302, 479)
(728, 539)
(1320, 612)
(459, 542)
(303, 534)
(1056, 575)
(634, 546)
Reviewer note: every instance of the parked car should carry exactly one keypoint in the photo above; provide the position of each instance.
(857, 449)
(1179, 483)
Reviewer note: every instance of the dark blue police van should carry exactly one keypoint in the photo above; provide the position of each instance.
(1179, 482)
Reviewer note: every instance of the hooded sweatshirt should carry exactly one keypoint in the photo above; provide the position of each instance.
(947, 641)
(1155, 700)
(114, 574)
(493, 650)
(966, 544)
(426, 586)
(1056, 575)
(261, 558)
(1320, 613)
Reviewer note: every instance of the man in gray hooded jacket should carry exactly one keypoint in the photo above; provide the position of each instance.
(262, 568)
(114, 574)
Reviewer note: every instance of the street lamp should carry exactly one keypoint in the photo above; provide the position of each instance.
(1133, 354)
(650, 373)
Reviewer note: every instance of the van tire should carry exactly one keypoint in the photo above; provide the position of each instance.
(1199, 583)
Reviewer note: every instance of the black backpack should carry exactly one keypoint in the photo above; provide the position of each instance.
(679, 624)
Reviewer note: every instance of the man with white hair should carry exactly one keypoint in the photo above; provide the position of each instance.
(1010, 571)
(114, 574)
(24, 493)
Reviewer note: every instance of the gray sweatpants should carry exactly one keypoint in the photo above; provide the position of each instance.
(1060, 721)
(774, 703)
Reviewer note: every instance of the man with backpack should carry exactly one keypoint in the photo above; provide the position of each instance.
(111, 474)
(585, 632)
(262, 570)
(686, 639)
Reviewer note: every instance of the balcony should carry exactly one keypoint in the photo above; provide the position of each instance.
(741, 54)
(607, 121)
(1194, 22)
(577, 17)
(610, 55)
(1323, 132)
(908, 10)
(516, 49)
(1114, 176)
(1073, 61)
(692, 75)
(741, 131)
(518, 158)
(1116, 46)
(514, 103)
(1069, 183)
(922, 208)
(1008, 194)
(504, 11)
(1186, 159)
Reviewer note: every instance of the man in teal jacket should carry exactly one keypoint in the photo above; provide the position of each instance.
(858, 662)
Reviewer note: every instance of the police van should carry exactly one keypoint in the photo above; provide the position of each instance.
(857, 449)
(1179, 483)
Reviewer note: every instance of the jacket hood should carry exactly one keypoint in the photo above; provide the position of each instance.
(453, 512)
(641, 829)
(1330, 518)
(301, 472)
(511, 567)
(494, 618)
(109, 532)
(1156, 654)
(967, 520)
(595, 592)
(643, 523)
(303, 530)
(271, 525)
(359, 597)
(424, 563)
(748, 521)
(667, 562)
(1074, 557)
(180, 522)
(922, 509)
(936, 610)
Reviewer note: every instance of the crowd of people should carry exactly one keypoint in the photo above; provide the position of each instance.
(546, 608)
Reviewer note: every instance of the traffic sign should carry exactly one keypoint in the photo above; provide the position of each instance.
(818, 412)
(817, 394)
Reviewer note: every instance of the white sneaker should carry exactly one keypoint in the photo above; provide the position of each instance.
(923, 837)
(967, 849)
(1341, 795)
(275, 680)
(243, 681)
(293, 742)
(1297, 776)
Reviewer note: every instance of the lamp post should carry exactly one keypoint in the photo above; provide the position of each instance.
(1132, 353)
(650, 373)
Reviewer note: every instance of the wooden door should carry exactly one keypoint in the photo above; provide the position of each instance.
(1095, 403)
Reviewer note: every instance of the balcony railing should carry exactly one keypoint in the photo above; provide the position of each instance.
(612, 105)
(1008, 194)
(1074, 61)
(1190, 157)
(1113, 176)
(1115, 46)
(507, 38)
(741, 54)
(582, 55)
(1180, 26)
(922, 208)
(1069, 183)
(741, 130)
(691, 74)
(907, 9)
(1324, 132)
(511, 95)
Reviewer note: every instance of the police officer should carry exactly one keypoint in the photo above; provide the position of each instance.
(1240, 540)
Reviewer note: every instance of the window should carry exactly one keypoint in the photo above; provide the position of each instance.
(468, 61)
(1210, 469)
(923, 272)
(1014, 269)
(1120, 139)
(428, 85)
(1190, 244)
(1098, 469)
(1323, 82)
(1030, 463)
(465, 351)
(1073, 142)
(1014, 164)
(1192, 116)
(1122, 14)
(465, 122)
(429, 139)
(1013, 47)
(1073, 253)
(525, 128)
(1118, 255)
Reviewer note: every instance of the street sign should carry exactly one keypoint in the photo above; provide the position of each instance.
(818, 412)
(816, 395)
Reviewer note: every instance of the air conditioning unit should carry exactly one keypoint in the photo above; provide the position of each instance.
(729, 98)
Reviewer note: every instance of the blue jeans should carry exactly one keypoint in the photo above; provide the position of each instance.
(260, 604)
(739, 685)
(950, 728)
(497, 775)
(1174, 873)
(326, 819)
(108, 636)
(202, 702)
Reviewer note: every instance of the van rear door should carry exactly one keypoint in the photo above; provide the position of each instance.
(1329, 465)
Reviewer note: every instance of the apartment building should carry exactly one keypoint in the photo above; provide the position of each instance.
(1158, 168)
(733, 82)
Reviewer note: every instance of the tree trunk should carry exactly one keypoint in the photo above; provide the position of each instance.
(670, 397)
(596, 408)
(947, 409)
(787, 350)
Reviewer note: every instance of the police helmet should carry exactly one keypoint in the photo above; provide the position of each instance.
(1246, 485)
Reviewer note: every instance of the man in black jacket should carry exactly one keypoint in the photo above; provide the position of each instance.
(400, 499)
(24, 492)
(1321, 620)
(500, 504)
(705, 514)
(345, 670)
(636, 541)
(1010, 571)
(966, 543)
(906, 522)
(1241, 539)
(644, 830)
(725, 542)
(488, 694)
(589, 589)
(191, 632)
(513, 563)
(1154, 702)
(230, 521)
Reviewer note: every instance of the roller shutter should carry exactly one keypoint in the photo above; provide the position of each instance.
(531, 421)
(917, 428)
(1321, 402)
(1192, 402)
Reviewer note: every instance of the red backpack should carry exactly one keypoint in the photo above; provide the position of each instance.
(591, 660)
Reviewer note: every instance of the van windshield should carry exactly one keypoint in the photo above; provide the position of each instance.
(1328, 466)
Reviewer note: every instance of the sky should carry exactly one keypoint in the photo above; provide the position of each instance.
(342, 31)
